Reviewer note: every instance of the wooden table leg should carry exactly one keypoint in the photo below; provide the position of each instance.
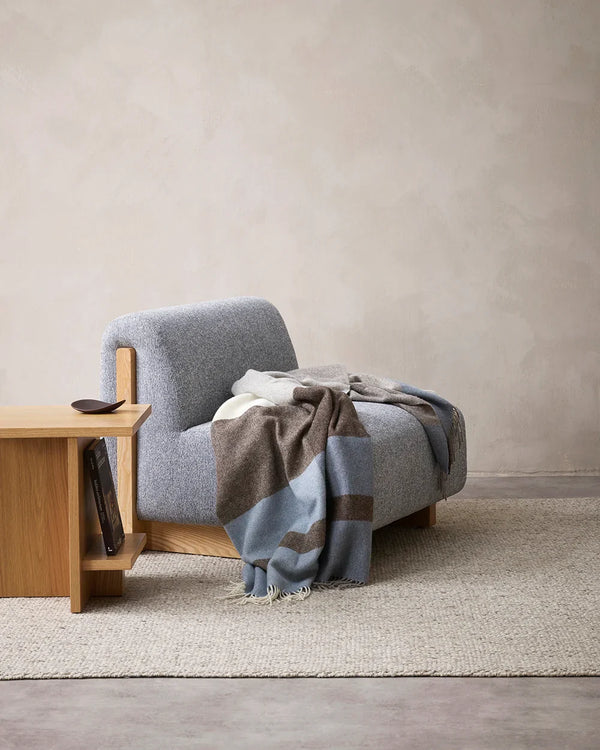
(34, 525)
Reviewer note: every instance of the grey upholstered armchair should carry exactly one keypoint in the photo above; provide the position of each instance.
(183, 360)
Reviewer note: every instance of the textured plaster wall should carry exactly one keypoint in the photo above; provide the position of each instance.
(414, 184)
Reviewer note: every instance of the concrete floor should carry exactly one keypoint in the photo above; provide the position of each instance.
(452, 713)
(532, 486)
(412, 712)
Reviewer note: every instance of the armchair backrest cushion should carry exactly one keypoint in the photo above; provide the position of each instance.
(189, 356)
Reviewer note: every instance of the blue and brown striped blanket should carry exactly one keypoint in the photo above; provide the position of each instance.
(295, 475)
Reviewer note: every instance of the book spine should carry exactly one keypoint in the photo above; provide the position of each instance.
(107, 532)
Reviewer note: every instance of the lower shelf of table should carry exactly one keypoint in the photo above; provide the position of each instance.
(97, 559)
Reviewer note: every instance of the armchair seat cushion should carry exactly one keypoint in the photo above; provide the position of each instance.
(405, 474)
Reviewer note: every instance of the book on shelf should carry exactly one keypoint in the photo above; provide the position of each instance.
(103, 487)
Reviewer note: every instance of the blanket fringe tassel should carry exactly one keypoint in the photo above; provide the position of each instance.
(237, 592)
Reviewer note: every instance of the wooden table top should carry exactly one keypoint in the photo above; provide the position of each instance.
(65, 422)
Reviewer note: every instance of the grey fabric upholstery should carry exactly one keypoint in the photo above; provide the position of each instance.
(188, 357)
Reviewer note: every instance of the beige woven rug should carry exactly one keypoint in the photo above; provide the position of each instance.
(498, 587)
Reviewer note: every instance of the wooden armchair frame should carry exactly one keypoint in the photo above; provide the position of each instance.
(176, 537)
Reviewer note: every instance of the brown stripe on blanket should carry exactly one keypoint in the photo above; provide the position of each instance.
(262, 563)
(343, 420)
(271, 445)
(414, 405)
(312, 539)
(350, 508)
(258, 445)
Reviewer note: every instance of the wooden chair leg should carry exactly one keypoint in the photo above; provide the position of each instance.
(421, 519)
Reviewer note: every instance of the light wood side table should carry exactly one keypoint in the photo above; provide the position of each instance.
(50, 541)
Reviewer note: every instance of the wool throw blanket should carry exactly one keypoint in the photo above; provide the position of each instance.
(295, 474)
(294, 493)
(438, 417)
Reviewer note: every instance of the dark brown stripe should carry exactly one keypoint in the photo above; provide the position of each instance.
(258, 453)
(301, 543)
(414, 405)
(350, 508)
(261, 563)
(254, 456)
(343, 421)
